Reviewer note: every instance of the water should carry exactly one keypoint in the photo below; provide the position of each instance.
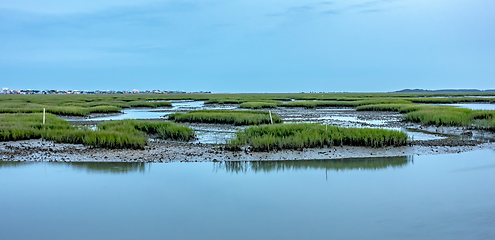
(473, 106)
(428, 197)
(157, 113)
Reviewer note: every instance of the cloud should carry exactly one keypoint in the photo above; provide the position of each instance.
(331, 12)
(365, 7)
(372, 10)
(298, 9)
(371, 3)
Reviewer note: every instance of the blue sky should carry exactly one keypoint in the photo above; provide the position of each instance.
(247, 45)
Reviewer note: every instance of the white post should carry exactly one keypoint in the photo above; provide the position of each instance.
(271, 119)
(43, 116)
(326, 128)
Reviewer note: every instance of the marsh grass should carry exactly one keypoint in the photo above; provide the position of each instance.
(260, 105)
(438, 115)
(315, 104)
(74, 105)
(115, 134)
(160, 129)
(149, 104)
(312, 135)
(451, 100)
(226, 117)
(402, 108)
(457, 117)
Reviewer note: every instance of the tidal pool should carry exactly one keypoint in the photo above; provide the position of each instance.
(425, 197)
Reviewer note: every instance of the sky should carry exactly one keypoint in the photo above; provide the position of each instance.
(247, 45)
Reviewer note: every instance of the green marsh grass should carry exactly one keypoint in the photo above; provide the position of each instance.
(438, 115)
(314, 104)
(312, 135)
(149, 104)
(115, 134)
(160, 129)
(226, 117)
(260, 105)
(74, 105)
(451, 100)
(402, 108)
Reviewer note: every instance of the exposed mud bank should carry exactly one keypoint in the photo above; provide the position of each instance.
(38, 150)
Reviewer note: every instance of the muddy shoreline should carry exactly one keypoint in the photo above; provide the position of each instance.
(164, 151)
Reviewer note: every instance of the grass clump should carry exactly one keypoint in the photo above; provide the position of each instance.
(146, 104)
(260, 105)
(159, 129)
(115, 134)
(402, 108)
(58, 110)
(457, 117)
(75, 105)
(226, 117)
(438, 115)
(314, 104)
(451, 100)
(312, 135)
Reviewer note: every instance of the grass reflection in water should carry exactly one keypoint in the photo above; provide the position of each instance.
(93, 167)
(328, 164)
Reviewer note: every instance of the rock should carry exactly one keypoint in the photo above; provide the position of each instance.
(467, 133)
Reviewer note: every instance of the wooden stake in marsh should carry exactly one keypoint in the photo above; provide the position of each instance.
(43, 116)
(271, 119)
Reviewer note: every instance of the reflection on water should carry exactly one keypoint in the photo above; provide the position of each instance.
(91, 167)
(242, 166)
(447, 196)
(329, 164)
(473, 106)
(111, 167)
(8, 164)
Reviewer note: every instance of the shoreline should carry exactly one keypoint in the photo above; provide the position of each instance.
(170, 151)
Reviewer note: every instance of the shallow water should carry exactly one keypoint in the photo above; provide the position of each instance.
(474, 106)
(425, 197)
(154, 113)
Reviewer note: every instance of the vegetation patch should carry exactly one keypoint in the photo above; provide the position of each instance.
(312, 135)
(226, 117)
(159, 129)
(439, 115)
(114, 134)
(74, 105)
(260, 105)
(451, 100)
(314, 104)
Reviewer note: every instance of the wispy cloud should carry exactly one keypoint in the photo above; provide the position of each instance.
(331, 12)
(293, 10)
(372, 3)
(364, 7)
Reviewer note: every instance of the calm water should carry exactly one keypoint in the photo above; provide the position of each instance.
(425, 197)
(474, 106)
